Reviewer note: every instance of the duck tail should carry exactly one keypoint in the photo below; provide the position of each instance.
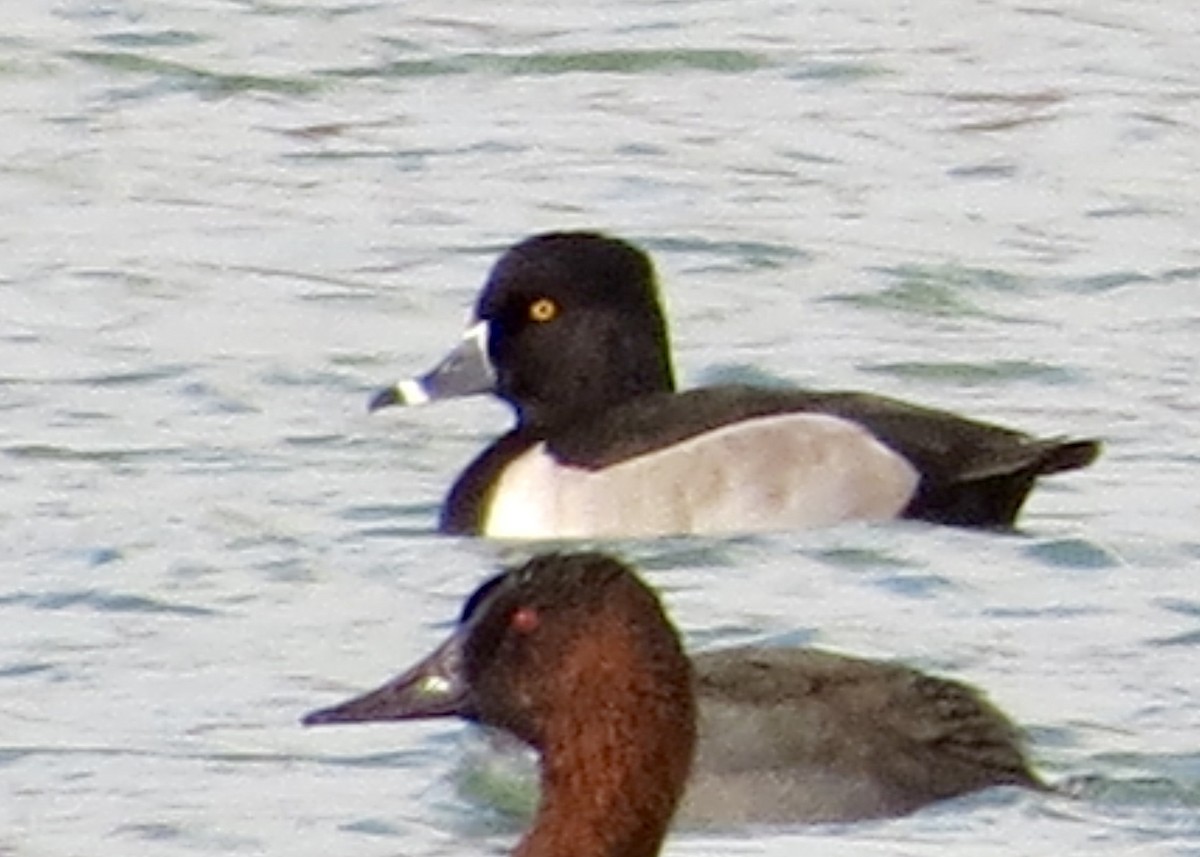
(990, 494)
(1063, 455)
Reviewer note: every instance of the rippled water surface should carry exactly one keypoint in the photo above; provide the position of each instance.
(225, 222)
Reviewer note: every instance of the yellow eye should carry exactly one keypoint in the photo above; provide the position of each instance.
(543, 310)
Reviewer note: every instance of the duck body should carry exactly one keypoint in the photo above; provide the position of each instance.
(569, 330)
(783, 735)
(802, 735)
(745, 459)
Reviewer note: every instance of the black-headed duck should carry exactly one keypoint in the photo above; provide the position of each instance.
(569, 331)
(784, 735)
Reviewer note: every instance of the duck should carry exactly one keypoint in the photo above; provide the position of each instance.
(576, 657)
(787, 735)
(569, 330)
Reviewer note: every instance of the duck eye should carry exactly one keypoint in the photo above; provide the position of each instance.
(524, 620)
(543, 310)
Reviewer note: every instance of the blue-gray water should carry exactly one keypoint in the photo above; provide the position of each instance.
(224, 222)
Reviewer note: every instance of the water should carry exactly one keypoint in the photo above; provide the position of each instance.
(224, 223)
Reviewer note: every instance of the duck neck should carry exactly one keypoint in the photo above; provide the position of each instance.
(611, 792)
(594, 380)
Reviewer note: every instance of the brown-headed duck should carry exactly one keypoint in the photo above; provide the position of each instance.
(570, 332)
(784, 735)
(575, 656)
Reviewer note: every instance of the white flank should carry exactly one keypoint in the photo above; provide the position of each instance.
(773, 473)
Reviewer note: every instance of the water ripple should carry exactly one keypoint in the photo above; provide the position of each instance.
(133, 376)
(552, 63)
(52, 452)
(104, 602)
(1079, 554)
(158, 39)
(192, 78)
(990, 372)
(934, 291)
(25, 669)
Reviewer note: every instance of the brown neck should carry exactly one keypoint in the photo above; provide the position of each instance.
(613, 776)
(621, 806)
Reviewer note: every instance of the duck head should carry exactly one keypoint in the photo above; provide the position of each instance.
(574, 655)
(568, 324)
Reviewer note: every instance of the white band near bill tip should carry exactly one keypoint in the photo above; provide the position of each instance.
(412, 392)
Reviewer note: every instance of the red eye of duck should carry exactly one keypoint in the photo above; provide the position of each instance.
(524, 620)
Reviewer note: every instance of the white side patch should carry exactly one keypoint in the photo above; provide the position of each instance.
(773, 473)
